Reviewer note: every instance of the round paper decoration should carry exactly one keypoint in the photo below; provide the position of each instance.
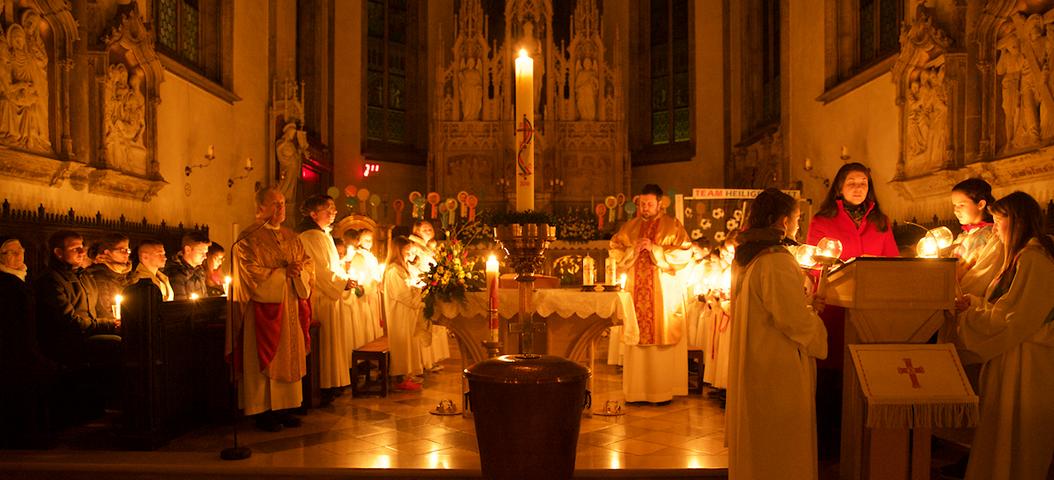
(333, 192)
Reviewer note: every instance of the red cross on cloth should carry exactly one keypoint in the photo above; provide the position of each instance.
(911, 371)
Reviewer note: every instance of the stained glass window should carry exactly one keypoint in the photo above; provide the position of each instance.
(386, 48)
(670, 79)
(188, 31)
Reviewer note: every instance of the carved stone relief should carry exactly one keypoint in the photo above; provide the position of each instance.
(24, 85)
(759, 164)
(1023, 66)
(923, 95)
(128, 77)
(36, 45)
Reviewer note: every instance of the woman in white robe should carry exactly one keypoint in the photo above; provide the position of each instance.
(403, 312)
(1011, 330)
(776, 338)
(331, 288)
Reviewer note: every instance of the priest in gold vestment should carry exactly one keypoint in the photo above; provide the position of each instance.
(271, 314)
(652, 250)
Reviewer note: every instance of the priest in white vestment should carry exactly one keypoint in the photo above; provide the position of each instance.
(271, 315)
(776, 337)
(331, 290)
(1011, 330)
(652, 250)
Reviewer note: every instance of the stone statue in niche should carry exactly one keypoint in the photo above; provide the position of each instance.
(125, 119)
(290, 149)
(470, 84)
(586, 86)
(24, 86)
(1008, 67)
(927, 134)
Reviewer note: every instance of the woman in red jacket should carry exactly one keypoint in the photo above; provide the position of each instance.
(850, 214)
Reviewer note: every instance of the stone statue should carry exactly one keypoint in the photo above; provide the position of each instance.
(937, 100)
(1009, 68)
(125, 119)
(289, 150)
(918, 124)
(25, 99)
(586, 86)
(470, 86)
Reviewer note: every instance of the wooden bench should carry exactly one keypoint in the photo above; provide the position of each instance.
(695, 370)
(369, 369)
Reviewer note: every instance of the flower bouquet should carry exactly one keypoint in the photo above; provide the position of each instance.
(452, 275)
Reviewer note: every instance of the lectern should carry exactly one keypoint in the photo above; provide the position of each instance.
(887, 300)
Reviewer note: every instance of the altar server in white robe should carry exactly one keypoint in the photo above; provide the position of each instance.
(978, 248)
(271, 315)
(436, 348)
(652, 250)
(403, 307)
(1011, 330)
(776, 338)
(365, 308)
(331, 290)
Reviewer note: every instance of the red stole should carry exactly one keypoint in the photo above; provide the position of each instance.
(267, 318)
(644, 286)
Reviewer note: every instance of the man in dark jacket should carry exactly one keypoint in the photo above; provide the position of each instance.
(72, 333)
(185, 271)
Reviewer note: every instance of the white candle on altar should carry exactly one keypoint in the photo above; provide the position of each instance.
(524, 117)
(226, 285)
(492, 294)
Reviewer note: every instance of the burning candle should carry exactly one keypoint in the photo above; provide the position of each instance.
(117, 299)
(194, 296)
(524, 125)
(212, 151)
(492, 282)
(828, 248)
(622, 281)
(226, 285)
(249, 163)
(492, 292)
(589, 271)
(927, 248)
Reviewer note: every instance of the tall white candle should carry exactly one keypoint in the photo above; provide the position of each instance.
(524, 111)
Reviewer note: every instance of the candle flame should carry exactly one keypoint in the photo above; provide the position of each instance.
(117, 299)
(523, 53)
(194, 296)
(227, 280)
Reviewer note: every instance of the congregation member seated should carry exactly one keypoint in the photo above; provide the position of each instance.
(213, 273)
(111, 270)
(72, 333)
(25, 370)
(151, 259)
(184, 270)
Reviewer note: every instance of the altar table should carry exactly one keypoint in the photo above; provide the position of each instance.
(573, 320)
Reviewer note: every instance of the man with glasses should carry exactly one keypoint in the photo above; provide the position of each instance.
(151, 260)
(185, 271)
(111, 270)
(72, 333)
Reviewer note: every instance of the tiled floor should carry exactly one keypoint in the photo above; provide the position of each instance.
(685, 438)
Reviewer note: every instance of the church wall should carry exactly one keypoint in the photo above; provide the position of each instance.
(394, 180)
(706, 168)
(188, 121)
(865, 120)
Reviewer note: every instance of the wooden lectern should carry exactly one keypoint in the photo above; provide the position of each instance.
(887, 300)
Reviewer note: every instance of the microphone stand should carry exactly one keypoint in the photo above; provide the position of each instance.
(236, 452)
